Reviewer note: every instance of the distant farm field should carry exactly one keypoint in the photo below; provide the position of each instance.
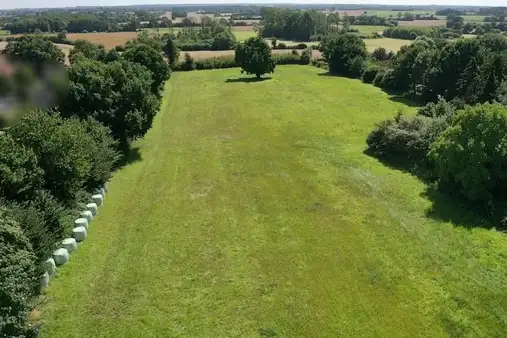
(422, 23)
(109, 40)
(368, 30)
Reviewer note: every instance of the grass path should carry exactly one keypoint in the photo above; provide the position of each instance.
(252, 211)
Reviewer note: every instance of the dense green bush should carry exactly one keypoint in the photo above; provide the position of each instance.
(63, 150)
(410, 33)
(370, 73)
(471, 155)
(254, 57)
(223, 41)
(188, 63)
(380, 54)
(195, 46)
(18, 279)
(117, 94)
(34, 49)
(345, 54)
(88, 49)
(306, 55)
(150, 55)
(172, 52)
(440, 108)
(19, 170)
(377, 81)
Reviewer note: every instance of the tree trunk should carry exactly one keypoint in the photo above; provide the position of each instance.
(258, 76)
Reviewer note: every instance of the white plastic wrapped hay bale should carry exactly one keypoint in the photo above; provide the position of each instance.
(81, 222)
(50, 266)
(79, 234)
(70, 244)
(93, 208)
(105, 187)
(98, 199)
(61, 256)
(44, 280)
(88, 215)
(101, 192)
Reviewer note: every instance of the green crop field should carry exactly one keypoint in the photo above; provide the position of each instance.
(4, 32)
(242, 34)
(368, 30)
(250, 210)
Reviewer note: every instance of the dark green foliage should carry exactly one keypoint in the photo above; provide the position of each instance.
(223, 41)
(380, 54)
(172, 52)
(103, 153)
(150, 55)
(88, 49)
(410, 33)
(344, 53)
(306, 55)
(45, 221)
(18, 279)
(370, 73)
(188, 63)
(34, 49)
(117, 94)
(254, 57)
(281, 45)
(19, 170)
(471, 155)
(377, 81)
(292, 24)
(357, 66)
(62, 148)
(440, 108)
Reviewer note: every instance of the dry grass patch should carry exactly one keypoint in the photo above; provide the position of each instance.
(109, 40)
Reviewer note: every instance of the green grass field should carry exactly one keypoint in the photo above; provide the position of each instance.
(251, 210)
(242, 35)
(4, 32)
(368, 30)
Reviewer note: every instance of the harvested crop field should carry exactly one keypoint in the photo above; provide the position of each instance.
(109, 40)
(422, 23)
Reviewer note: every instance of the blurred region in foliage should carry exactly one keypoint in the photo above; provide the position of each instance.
(22, 88)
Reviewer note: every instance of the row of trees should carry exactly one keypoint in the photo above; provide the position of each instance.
(52, 160)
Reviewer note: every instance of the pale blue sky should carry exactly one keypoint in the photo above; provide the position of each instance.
(9, 4)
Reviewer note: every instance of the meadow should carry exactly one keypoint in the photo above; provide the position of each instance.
(251, 209)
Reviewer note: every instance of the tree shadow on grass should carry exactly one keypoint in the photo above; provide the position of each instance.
(247, 79)
(405, 100)
(130, 155)
(450, 208)
(445, 207)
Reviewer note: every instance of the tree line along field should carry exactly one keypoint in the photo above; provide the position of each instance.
(255, 211)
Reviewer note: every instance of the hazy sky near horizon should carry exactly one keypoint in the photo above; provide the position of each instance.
(10, 4)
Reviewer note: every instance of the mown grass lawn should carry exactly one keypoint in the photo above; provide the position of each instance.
(252, 211)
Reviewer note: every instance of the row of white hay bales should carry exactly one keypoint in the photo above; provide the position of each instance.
(79, 234)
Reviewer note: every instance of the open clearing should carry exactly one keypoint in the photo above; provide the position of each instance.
(251, 210)
(422, 23)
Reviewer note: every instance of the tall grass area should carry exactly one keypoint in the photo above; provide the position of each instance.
(251, 210)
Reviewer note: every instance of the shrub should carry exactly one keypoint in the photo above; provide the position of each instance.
(282, 45)
(344, 53)
(302, 46)
(19, 169)
(294, 52)
(254, 57)
(34, 49)
(150, 55)
(18, 279)
(117, 94)
(189, 63)
(62, 148)
(120, 48)
(369, 74)
(380, 54)
(357, 66)
(306, 56)
(223, 41)
(471, 155)
(103, 153)
(195, 46)
(441, 108)
(377, 81)
(172, 52)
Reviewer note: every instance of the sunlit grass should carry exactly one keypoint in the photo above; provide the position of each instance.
(251, 210)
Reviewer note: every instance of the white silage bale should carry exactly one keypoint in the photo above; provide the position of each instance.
(88, 215)
(79, 233)
(98, 199)
(93, 208)
(81, 222)
(61, 256)
(44, 280)
(70, 244)
(105, 187)
(50, 266)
